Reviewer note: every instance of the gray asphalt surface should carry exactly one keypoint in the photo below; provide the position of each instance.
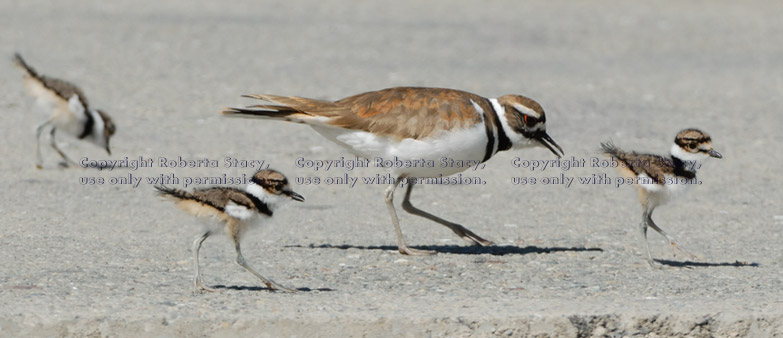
(113, 259)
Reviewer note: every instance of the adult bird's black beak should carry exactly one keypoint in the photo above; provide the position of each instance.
(548, 142)
(714, 154)
(294, 196)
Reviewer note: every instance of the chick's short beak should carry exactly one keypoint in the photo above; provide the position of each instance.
(295, 196)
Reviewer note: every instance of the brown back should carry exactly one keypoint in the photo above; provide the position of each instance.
(400, 112)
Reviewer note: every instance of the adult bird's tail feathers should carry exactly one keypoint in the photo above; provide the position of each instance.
(292, 109)
(302, 104)
(267, 112)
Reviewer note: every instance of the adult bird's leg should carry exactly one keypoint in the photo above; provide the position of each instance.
(461, 231)
(401, 246)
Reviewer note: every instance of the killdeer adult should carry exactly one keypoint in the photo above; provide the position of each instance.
(410, 124)
(69, 112)
(660, 179)
(234, 211)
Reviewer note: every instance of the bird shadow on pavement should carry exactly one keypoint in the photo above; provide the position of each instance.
(497, 250)
(261, 288)
(692, 264)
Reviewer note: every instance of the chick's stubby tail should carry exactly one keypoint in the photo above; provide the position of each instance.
(173, 193)
(624, 157)
(610, 149)
(23, 66)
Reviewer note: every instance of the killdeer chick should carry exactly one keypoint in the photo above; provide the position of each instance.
(660, 179)
(410, 124)
(69, 112)
(234, 211)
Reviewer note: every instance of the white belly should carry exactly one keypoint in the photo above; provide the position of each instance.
(416, 158)
(672, 189)
(60, 113)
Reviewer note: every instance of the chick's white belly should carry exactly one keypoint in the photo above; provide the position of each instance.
(660, 194)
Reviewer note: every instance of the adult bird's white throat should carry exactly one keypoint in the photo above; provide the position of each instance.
(411, 123)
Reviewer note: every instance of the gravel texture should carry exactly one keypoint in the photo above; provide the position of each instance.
(113, 259)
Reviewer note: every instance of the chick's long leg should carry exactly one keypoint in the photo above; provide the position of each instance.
(671, 240)
(643, 230)
(196, 248)
(38, 131)
(268, 282)
(66, 161)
